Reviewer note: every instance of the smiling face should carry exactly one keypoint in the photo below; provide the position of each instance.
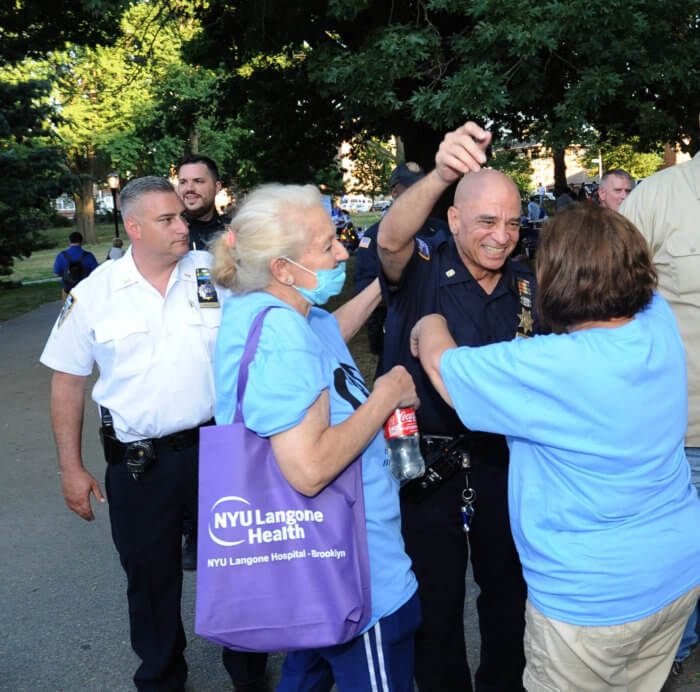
(485, 221)
(197, 189)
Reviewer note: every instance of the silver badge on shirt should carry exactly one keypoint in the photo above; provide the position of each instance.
(206, 293)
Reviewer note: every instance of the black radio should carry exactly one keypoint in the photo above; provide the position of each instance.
(444, 456)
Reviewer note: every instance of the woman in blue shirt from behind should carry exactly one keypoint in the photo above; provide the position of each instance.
(601, 507)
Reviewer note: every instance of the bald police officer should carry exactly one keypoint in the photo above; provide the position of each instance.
(467, 276)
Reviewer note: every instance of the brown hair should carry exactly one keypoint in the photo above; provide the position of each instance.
(592, 264)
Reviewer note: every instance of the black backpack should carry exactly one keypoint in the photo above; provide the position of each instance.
(74, 271)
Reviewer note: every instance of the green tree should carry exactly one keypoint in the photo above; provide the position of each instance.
(421, 67)
(103, 91)
(372, 165)
(180, 119)
(617, 153)
(30, 28)
(516, 166)
(32, 169)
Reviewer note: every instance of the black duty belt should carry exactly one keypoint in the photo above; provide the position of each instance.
(115, 450)
(176, 441)
(445, 455)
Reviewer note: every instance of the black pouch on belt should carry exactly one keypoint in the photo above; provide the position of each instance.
(138, 456)
(444, 457)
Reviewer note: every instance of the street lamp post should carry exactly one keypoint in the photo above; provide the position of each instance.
(599, 161)
(113, 180)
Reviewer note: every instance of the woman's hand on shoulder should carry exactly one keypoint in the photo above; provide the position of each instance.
(398, 383)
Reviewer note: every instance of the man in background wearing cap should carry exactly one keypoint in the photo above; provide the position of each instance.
(367, 261)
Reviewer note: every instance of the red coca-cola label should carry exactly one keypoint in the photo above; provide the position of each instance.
(401, 423)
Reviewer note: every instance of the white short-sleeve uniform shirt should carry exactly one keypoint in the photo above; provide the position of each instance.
(154, 353)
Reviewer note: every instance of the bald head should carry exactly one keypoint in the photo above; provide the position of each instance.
(485, 221)
(474, 185)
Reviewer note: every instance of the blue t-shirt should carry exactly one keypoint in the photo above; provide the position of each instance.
(602, 511)
(89, 261)
(367, 266)
(295, 361)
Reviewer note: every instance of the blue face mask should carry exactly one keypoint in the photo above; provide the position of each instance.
(329, 282)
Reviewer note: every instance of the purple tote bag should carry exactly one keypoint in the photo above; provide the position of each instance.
(276, 570)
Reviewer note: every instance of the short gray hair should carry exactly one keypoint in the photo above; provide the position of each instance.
(270, 223)
(138, 187)
(621, 172)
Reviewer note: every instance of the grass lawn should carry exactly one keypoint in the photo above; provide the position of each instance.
(16, 301)
(366, 220)
(40, 264)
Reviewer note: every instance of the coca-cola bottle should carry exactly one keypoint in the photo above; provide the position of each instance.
(402, 444)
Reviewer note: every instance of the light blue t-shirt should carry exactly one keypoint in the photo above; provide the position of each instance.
(295, 361)
(601, 507)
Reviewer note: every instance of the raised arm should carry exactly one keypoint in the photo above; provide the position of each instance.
(462, 151)
(354, 313)
(430, 338)
(313, 453)
(67, 402)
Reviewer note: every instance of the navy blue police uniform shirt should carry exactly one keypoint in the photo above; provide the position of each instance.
(203, 232)
(367, 266)
(436, 280)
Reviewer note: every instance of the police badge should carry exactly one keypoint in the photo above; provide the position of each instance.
(206, 293)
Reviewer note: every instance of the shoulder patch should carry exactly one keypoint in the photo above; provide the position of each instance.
(365, 242)
(65, 310)
(423, 249)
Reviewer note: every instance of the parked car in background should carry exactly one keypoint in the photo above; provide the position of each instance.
(355, 203)
(381, 204)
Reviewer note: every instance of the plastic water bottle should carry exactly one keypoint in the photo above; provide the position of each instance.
(402, 444)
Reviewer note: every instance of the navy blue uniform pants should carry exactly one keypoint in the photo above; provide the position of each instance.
(439, 548)
(147, 517)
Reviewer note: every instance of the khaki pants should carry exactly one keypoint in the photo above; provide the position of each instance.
(632, 657)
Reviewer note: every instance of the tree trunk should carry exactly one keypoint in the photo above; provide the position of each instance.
(85, 210)
(194, 141)
(400, 150)
(560, 184)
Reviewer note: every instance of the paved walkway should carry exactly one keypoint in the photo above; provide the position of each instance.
(63, 616)
(62, 590)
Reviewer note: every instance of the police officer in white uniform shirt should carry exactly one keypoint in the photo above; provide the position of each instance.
(150, 322)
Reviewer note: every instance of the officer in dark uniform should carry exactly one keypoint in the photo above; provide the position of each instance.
(367, 261)
(466, 276)
(198, 184)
